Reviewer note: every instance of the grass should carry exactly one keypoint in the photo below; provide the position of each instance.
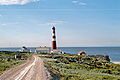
(73, 67)
(8, 61)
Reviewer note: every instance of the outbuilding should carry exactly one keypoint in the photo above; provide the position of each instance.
(81, 53)
(17, 56)
(42, 49)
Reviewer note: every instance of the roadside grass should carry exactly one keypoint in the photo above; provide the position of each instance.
(7, 60)
(73, 67)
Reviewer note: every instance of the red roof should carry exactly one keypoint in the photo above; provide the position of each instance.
(81, 53)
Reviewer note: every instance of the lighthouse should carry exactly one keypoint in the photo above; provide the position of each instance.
(53, 40)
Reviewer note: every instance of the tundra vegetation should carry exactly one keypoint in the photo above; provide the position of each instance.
(74, 67)
(8, 60)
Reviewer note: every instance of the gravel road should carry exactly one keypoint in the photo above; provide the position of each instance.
(33, 69)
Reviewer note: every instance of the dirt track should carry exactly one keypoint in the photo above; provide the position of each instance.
(33, 69)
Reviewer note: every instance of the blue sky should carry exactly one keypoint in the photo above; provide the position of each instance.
(78, 22)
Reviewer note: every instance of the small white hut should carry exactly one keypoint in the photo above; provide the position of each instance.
(56, 51)
(24, 49)
(42, 49)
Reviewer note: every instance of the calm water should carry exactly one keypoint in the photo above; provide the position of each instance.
(113, 52)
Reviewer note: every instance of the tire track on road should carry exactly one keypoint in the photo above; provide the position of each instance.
(24, 72)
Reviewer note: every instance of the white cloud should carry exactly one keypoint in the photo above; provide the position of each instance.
(82, 4)
(20, 2)
(1, 15)
(78, 2)
(74, 2)
(54, 23)
(5, 24)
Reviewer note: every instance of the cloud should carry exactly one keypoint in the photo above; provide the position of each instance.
(74, 2)
(82, 4)
(5, 24)
(54, 23)
(78, 2)
(1, 15)
(20, 2)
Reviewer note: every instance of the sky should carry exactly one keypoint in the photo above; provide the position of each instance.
(79, 23)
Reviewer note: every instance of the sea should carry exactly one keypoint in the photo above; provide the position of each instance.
(113, 52)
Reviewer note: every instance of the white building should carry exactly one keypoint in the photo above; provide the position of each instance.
(24, 49)
(56, 51)
(42, 50)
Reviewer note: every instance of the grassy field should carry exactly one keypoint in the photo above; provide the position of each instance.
(7, 60)
(74, 67)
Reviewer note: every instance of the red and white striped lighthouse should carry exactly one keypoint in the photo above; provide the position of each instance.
(53, 40)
